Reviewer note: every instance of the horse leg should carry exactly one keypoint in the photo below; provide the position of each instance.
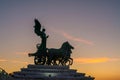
(49, 60)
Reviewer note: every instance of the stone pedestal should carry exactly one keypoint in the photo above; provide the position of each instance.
(47, 72)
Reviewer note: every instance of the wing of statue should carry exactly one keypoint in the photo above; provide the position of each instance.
(37, 27)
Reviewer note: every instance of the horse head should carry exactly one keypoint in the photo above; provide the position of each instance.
(68, 45)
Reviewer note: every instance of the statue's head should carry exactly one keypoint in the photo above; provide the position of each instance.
(43, 29)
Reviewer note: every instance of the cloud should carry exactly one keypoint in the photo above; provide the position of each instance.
(95, 60)
(21, 53)
(21, 62)
(70, 37)
(3, 60)
(13, 61)
(77, 39)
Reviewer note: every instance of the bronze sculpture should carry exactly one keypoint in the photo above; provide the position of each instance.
(61, 55)
(42, 35)
(43, 55)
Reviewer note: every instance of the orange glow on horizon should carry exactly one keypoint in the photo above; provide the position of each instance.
(94, 60)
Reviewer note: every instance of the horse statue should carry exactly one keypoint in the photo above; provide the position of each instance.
(60, 56)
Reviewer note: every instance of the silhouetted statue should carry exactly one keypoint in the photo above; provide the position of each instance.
(44, 40)
(61, 55)
(42, 35)
(52, 56)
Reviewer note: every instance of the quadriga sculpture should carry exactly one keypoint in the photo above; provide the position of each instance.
(54, 56)
(43, 55)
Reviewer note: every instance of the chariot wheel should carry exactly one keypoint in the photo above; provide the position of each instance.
(39, 60)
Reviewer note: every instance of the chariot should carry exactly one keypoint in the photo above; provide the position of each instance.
(53, 56)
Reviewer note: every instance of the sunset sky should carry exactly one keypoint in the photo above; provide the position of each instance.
(91, 26)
